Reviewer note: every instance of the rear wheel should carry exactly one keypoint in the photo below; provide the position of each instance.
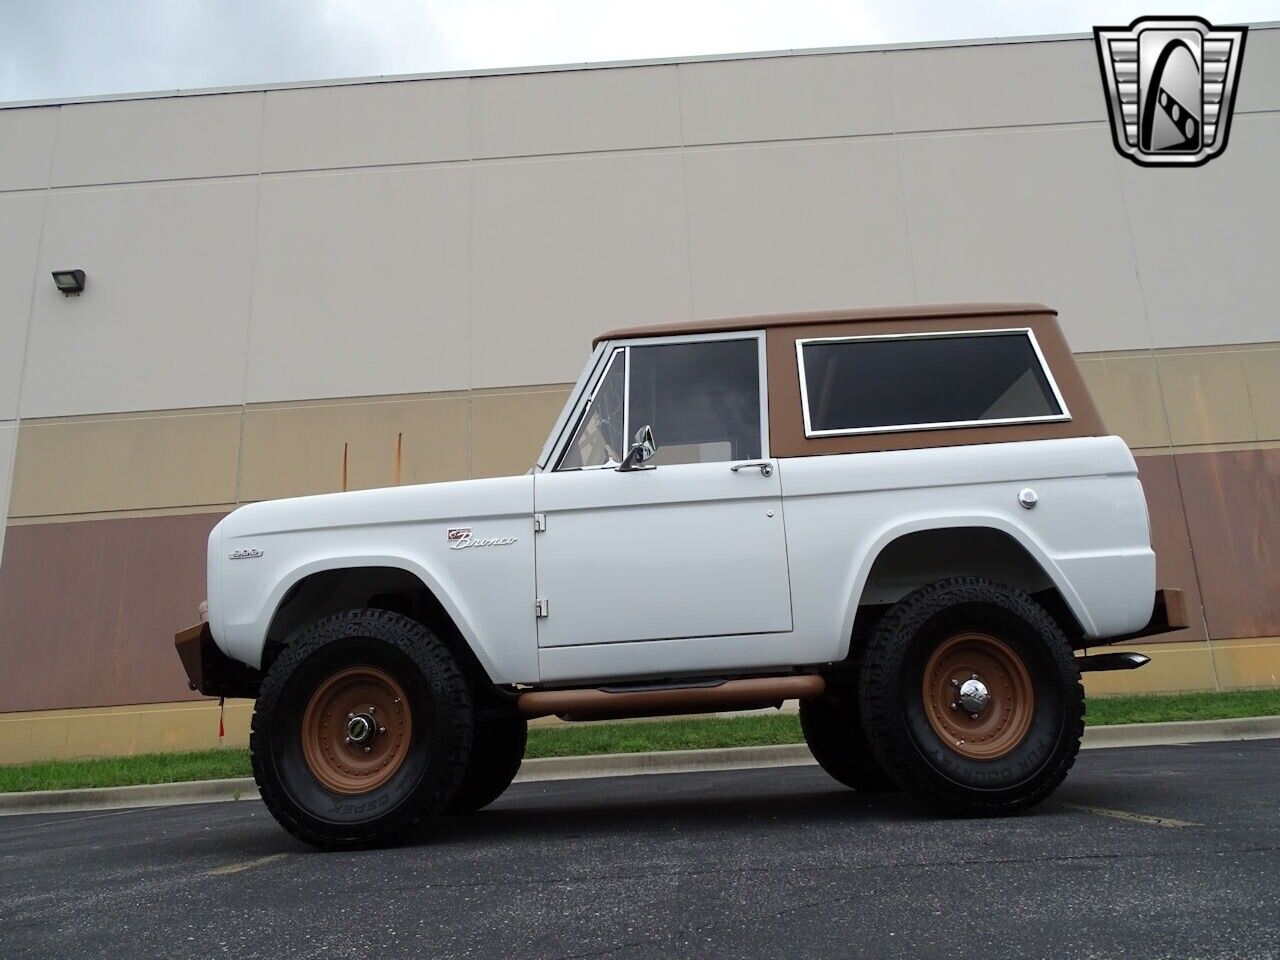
(971, 698)
(496, 754)
(835, 738)
(362, 729)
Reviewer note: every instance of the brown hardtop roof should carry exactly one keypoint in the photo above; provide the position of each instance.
(914, 311)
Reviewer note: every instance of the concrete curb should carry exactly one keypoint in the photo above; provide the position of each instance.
(617, 765)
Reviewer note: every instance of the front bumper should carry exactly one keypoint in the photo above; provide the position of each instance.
(209, 670)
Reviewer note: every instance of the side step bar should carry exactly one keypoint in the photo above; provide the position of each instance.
(617, 704)
(1112, 661)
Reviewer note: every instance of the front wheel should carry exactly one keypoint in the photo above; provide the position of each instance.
(971, 698)
(362, 729)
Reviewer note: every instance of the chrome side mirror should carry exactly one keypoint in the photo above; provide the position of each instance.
(641, 451)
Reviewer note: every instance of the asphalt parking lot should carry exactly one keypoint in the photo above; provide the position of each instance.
(1145, 852)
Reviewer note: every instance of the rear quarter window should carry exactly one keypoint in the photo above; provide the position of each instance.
(877, 384)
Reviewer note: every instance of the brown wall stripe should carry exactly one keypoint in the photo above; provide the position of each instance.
(1175, 566)
(1232, 501)
(88, 610)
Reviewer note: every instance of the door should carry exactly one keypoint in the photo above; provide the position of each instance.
(691, 546)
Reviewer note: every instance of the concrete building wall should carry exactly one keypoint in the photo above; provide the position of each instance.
(319, 288)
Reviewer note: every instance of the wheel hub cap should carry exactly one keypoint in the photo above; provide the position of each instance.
(360, 728)
(974, 696)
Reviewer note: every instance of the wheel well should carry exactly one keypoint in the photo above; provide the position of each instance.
(927, 556)
(381, 588)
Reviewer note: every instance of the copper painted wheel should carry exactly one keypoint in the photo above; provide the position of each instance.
(978, 696)
(356, 730)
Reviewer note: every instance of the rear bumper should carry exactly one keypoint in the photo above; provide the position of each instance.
(209, 670)
(1167, 615)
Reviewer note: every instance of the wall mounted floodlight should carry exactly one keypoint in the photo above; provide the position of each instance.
(70, 282)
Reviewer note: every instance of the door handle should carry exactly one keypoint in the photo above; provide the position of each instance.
(766, 468)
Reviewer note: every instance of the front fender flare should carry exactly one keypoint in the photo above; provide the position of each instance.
(247, 642)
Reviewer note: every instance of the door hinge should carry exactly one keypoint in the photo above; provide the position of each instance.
(540, 607)
(539, 523)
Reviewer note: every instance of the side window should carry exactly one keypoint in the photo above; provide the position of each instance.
(924, 381)
(701, 399)
(599, 440)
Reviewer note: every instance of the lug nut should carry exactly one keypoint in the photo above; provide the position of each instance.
(955, 682)
(348, 739)
(382, 729)
(368, 749)
(372, 708)
(954, 705)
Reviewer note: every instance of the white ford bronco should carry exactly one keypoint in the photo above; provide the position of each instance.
(910, 519)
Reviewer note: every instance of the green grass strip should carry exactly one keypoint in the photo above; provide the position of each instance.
(573, 740)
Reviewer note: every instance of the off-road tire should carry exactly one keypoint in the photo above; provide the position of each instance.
(434, 754)
(895, 715)
(497, 750)
(835, 738)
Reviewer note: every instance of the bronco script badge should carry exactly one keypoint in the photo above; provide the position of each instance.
(1170, 85)
(460, 539)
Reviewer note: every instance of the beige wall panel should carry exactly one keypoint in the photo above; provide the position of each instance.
(1174, 668)
(295, 451)
(1242, 664)
(1259, 85)
(178, 137)
(786, 98)
(796, 227)
(26, 147)
(565, 249)
(361, 285)
(8, 441)
(162, 321)
(949, 88)
(1262, 373)
(1207, 398)
(1205, 243)
(509, 429)
(1127, 392)
(575, 111)
(345, 126)
(1027, 215)
(125, 463)
(123, 731)
(19, 247)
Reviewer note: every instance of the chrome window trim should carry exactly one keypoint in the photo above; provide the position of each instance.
(562, 422)
(611, 347)
(586, 408)
(810, 433)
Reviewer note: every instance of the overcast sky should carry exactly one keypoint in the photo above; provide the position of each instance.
(67, 48)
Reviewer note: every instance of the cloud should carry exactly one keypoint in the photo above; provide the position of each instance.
(72, 48)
